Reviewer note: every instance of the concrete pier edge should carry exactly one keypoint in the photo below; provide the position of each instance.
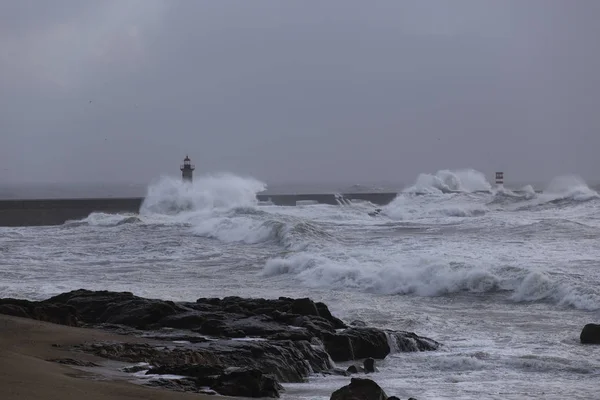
(41, 212)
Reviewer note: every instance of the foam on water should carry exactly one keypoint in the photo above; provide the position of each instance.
(446, 181)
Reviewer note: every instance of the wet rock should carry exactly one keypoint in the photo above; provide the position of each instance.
(116, 307)
(288, 361)
(304, 306)
(202, 372)
(178, 385)
(353, 369)
(72, 361)
(411, 342)
(54, 313)
(248, 383)
(360, 389)
(369, 365)
(337, 371)
(356, 343)
(135, 368)
(395, 398)
(590, 334)
(358, 323)
(283, 339)
(178, 338)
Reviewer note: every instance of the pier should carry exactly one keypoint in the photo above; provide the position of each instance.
(40, 212)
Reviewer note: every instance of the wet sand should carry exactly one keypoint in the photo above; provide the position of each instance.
(26, 344)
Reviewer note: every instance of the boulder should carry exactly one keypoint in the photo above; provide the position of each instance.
(247, 383)
(360, 389)
(369, 365)
(590, 334)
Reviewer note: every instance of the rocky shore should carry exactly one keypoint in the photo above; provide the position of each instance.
(231, 346)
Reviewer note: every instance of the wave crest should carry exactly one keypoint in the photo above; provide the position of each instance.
(207, 193)
(447, 181)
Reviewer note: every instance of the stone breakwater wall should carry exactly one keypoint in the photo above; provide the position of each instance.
(34, 212)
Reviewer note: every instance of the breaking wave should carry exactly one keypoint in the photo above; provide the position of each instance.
(105, 219)
(431, 279)
(446, 181)
(207, 194)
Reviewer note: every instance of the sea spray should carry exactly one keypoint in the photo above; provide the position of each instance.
(220, 191)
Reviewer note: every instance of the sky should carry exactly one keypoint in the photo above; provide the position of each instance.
(298, 91)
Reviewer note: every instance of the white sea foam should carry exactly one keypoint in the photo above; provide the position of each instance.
(446, 181)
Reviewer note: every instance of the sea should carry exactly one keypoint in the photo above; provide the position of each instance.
(504, 277)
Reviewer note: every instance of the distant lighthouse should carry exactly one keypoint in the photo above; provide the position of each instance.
(187, 169)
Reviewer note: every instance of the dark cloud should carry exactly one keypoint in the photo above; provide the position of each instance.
(347, 91)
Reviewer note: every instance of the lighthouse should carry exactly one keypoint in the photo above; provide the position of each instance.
(187, 170)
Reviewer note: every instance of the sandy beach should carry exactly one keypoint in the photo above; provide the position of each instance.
(26, 344)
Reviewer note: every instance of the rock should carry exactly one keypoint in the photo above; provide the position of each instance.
(360, 389)
(288, 361)
(356, 343)
(358, 323)
(203, 375)
(54, 313)
(71, 361)
(337, 371)
(411, 342)
(135, 368)
(178, 385)
(339, 347)
(369, 365)
(590, 334)
(289, 339)
(247, 383)
(353, 369)
(304, 306)
(395, 398)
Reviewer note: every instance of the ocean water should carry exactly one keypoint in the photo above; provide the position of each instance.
(505, 279)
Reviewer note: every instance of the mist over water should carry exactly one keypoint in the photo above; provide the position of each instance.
(494, 273)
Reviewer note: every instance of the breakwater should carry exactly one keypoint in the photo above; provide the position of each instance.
(58, 211)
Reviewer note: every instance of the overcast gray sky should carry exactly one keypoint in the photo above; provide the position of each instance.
(344, 90)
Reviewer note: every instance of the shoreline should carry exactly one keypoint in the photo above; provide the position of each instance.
(25, 373)
(236, 347)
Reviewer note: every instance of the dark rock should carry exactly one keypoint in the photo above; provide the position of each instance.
(287, 361)
(411, 342)
(15, 310)
(289, 338)
(339, 347)
(356, 343)
(203, 375)
(337, 371)
(54, 313)
(358, 323)
(299, 334)
(178, 385)
(247, 383)
(326, 314)
(395, 398)
(178, 338)
(135, 368)
(304, 306)
(590, 334)
(369, 365)
(353, 369)
(360, 389)
(71, 361)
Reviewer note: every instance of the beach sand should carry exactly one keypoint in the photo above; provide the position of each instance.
(26, 344)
